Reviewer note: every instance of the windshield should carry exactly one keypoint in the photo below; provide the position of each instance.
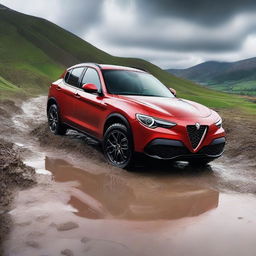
(124, 82)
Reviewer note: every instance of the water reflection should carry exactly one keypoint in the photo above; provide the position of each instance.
(132, 196)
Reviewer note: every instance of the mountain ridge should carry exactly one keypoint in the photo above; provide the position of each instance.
(237, 77)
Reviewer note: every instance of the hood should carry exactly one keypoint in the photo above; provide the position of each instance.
(172, 106)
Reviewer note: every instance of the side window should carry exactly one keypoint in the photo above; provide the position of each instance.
(73, 78)
(91, 77)
(67, 76)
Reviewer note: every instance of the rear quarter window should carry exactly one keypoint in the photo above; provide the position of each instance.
(73, 76)
(67, 76)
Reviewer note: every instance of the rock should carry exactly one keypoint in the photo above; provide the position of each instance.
(35, 234)
(41, 218)
(23, 224)
(67, 252)
(66, 226)
(85, 240)
(33, 244)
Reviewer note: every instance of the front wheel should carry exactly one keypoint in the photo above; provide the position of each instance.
(117, 145)
(55, 125)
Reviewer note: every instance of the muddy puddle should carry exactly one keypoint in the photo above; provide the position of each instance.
(98, 213)
(133, 197)
(83, 206)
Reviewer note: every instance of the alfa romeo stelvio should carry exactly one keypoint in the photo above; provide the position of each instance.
(130, 111)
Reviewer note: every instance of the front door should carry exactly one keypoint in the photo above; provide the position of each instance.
(90, 108)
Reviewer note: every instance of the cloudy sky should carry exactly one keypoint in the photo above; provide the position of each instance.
(169, 33)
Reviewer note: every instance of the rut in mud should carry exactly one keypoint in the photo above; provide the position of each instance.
(86, 206)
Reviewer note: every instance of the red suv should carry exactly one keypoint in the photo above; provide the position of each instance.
(129, 110)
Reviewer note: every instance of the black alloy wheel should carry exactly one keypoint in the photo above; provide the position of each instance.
(55, 125)
(117, 145)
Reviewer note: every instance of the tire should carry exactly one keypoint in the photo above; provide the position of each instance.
(200, 162)
(118, 146)
(55, 125)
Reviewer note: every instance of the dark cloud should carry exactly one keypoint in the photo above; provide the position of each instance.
(206, 12)
(175, 35)
(199, 44)
(179, 32)
(79, 15)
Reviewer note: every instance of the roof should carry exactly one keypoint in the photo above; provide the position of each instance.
(108, 67)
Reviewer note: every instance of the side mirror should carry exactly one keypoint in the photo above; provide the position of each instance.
(91, 88)
(173, 91)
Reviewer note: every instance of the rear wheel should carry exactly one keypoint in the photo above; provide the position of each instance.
(55, 125)
(117, 145)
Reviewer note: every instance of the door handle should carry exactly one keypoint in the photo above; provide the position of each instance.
(77, 96)
(58, 88)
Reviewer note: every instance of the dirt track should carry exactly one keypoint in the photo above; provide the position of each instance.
(93, 208)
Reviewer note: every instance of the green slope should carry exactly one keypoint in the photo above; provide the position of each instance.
(34, 52)
(242, 87)
(234, 77)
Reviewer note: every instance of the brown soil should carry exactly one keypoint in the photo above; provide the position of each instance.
(73, 142)
(241, 135)
(14, 175)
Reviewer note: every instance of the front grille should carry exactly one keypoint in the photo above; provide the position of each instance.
(212, 150)
(195, 135)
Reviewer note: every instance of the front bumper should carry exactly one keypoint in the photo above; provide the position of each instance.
(175, 149)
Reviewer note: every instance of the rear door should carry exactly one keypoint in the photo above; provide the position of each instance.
(90, 108)
(68, 94)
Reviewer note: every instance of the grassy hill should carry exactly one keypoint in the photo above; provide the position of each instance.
(34, 52)
(234, 77)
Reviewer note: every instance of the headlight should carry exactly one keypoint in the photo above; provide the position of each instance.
(219, 123)
(152, 122)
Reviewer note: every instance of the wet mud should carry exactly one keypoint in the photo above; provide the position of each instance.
(83, 206)
(14, 174)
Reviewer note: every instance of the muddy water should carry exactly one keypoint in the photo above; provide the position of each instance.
(115, 213)
(133, 197)
(80, 207)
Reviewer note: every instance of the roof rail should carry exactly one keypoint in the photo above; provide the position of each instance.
(83, 64)
(143, 69)
(86, 63)
(96, 64)
(92, 63)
